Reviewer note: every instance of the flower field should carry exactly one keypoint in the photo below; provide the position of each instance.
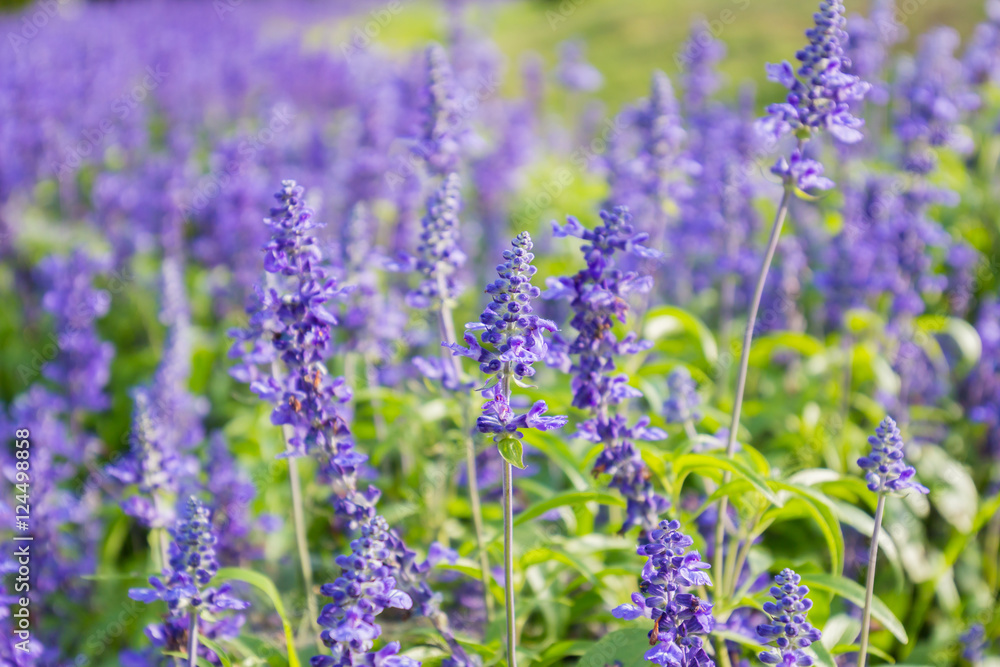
(398, 333)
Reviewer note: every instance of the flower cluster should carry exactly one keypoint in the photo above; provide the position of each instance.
(517, 339)
(364, 589)
(154, 469)
(185, 584)
(820, 95)
(597, 295)
(83, 365)
(440, 141)
(870, 42)
(679, 617)
(440, 256)
(982, 57)
(683, 403)
(283, 352)
(788, 630)
(887, 471)
(933, 97)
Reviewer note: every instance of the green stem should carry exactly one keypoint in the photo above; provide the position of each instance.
(734, 425)
(508, 538)
(870, 588)
(508, 560)
(302, 544)
(447, 329)
(193, 641)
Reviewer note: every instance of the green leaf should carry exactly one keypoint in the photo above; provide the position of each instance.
(840, 649)
(862, 522)
(563, 499)
(821, 509)
(626, 646)
(850, 590)
(668, 320)
(177, 654)
(512, 451)
(219, 651)
(719, 461)
(266, 586)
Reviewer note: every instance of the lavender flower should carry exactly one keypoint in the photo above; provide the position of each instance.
(820, 95)
(153, 468)
(974, 643)
(440, 257)
(573, 70)
(887, 471)
(683, 404)
(83, 366)
(700, 55)
(284, 348)
(597, 295)
(365, 588)
(982, 56)
(185, 585)
(981, 389)
(788, 629)
(933, 97)
(440, 141)
(517, 339)
(871, 39)
(679, 618)
(820, 92)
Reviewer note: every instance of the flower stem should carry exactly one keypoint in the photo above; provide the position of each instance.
(508, 560)
(508, 537)
(734, 425)
(193, 641)
(447, 330)
(870, 588)
(298, 516)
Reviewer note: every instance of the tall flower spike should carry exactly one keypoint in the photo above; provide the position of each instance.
(185, 585)
(283, 351)
(819, 98)
(440, 257)
(887, 471)
(788, 630)
(365, 588)
(597, 295)
(680, 619)
(440, 139)
(513, 339)
(683, 404)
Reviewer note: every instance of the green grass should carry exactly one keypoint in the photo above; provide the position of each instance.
(627, 39)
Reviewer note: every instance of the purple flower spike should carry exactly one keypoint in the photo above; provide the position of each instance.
(820, 92)
(440, 256)
(513, 339)
(820, 95)
(887, 471)
(185, 586)
(788, 630)
(597, 294)
(283, 352)
(679, 618)
(440, 142)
